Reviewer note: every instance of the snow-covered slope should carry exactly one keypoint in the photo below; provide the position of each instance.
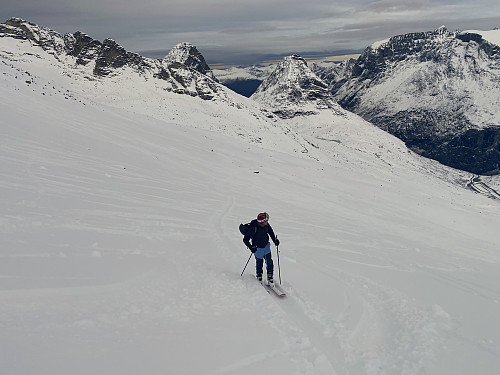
(438, 91)
(120, 250)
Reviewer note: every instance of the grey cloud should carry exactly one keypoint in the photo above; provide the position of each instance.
(389, 6)
(240, 29)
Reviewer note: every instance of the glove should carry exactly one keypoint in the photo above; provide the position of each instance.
(277, 242)
(253, 249)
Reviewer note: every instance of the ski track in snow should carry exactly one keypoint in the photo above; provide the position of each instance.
(285, 318)
(320, 343)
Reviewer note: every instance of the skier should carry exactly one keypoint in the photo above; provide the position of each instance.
(259, 233)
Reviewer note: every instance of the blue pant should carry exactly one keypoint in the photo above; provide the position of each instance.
(261, 254)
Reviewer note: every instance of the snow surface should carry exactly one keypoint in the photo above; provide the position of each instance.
(120, 252)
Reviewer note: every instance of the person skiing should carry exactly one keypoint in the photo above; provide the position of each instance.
(257, 240)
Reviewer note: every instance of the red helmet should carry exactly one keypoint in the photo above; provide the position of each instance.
(262, 217)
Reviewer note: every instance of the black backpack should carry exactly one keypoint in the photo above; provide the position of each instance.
(245, 227)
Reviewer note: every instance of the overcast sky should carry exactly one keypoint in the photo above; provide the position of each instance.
(235, 31)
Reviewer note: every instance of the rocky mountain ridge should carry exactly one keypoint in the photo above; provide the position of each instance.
(438, 91)
(183, 69)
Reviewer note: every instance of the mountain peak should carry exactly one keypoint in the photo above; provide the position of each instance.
(293, 89)
(442, 29)
(187, 54)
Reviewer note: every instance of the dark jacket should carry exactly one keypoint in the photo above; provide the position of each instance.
(259, 235)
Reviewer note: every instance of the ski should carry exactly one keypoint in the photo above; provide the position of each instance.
(276, 290)
(280, 290)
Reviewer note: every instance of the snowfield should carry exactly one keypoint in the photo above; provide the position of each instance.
(120, 251)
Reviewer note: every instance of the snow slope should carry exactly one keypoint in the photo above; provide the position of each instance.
(120, 252)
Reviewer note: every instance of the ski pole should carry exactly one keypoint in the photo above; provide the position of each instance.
(246, 265)
(278, 254)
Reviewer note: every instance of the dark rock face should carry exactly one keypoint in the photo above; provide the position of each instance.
(113, 56)
(179, 76)
(475, 150)
(438, 91)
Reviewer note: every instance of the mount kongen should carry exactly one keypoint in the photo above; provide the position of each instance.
(438, 91)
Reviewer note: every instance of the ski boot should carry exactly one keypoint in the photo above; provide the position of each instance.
(270, 281)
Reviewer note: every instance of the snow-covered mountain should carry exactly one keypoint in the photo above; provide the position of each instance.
(292, 89)
(85, 70)
(439, 91)
(246, 79)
